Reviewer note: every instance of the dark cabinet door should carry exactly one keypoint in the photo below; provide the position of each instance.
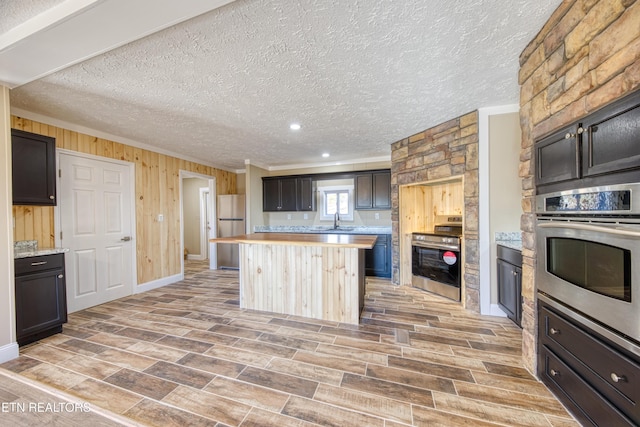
(279, 194)
(306, 194)
(382, 190)
(364, 191)
(509, 289)
(611, 139)
(377, 260)
(271, 195)
(509, 278)
(558, 157)
(288, 194)
(33, 168)
(41, 301)
(373, 190)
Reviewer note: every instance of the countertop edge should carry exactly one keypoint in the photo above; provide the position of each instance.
(39, 252)
(302, 239)
(511, 244)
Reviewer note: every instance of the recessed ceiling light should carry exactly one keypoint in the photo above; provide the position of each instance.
(294, 126)
(325, 154)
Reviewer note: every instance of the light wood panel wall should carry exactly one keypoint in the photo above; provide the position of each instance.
(419, 205)
(157, 183)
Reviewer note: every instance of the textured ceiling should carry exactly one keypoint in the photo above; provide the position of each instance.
(357, 75)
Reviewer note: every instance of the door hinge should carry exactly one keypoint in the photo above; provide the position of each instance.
(59, 173)
(61, 235)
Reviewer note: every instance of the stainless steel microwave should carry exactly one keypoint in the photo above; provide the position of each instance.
(589, 255)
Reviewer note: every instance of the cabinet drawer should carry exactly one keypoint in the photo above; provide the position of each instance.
(510, 255)
(609, 371)
(585, 402)
(38, 263)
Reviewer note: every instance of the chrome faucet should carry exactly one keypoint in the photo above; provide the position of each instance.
(336, 220)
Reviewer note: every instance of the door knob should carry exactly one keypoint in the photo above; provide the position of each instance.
(126, 238)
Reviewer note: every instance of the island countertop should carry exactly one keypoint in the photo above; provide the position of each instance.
(359, 241)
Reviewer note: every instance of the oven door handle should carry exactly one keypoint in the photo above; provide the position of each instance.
(443, 246)
(588, 227)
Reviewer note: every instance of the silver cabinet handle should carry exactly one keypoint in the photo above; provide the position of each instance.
(554, 373)
(126, 238)
(33, 264)
(554, 331)
(618, 378)
(52, 197)
(60, 276)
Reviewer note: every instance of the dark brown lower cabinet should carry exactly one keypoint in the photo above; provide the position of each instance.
(41, 298)
(509, 268)
(377, 260)
(598, 381)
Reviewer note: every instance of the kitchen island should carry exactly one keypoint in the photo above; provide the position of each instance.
(311, 275)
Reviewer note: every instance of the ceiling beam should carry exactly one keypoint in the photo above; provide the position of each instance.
(76, 30)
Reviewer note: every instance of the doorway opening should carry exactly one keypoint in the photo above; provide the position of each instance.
(197, 216)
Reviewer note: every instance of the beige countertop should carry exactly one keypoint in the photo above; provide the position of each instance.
(303, 239)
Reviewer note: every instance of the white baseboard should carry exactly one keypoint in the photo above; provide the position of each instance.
(195, 257)
(9, 352)
(155, 284)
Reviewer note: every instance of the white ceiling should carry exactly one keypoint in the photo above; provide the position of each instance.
(223, 87)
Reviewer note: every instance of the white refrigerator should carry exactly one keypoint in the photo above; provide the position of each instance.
(230, 223)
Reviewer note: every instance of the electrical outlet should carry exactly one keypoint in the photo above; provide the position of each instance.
(377, 215)
(305, 216)
(288, 216)
(160, 217)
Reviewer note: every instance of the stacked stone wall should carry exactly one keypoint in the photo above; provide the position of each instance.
(586, 56)
(447, 150)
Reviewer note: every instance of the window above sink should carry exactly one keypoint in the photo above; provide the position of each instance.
(336, 196)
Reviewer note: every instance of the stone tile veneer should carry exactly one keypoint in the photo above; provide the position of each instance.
(447, 150)
(586, 56)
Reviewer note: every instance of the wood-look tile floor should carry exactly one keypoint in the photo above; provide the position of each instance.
(186, 354)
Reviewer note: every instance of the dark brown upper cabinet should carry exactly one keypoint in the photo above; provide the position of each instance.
(602, 148)
(611, 138)
(558, 157)
(279, 194)
(34, 168)
(306, 200)
(373, 190)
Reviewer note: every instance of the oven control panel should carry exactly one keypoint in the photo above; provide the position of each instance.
(435, 238)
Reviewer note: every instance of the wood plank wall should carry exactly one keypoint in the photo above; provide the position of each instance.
(320, 282)
(157, 191)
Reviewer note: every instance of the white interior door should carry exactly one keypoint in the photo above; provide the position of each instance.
(95, 201)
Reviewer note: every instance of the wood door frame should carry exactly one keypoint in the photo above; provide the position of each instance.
(213, 259)
(132, 185)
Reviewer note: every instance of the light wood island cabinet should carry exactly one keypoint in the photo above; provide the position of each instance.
(320, 276)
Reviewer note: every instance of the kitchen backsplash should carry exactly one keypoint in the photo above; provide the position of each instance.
(508, 236)
(25, 245)
(380, 218)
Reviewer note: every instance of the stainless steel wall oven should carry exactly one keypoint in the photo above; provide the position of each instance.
(588, 245)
